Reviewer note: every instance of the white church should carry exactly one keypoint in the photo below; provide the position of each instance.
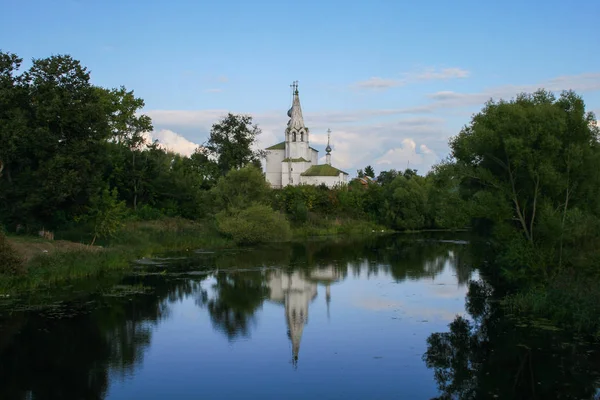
(294, 162)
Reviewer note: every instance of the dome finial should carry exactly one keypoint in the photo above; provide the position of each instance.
(328, 148)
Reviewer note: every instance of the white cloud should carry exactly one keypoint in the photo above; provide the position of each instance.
(379, 83)
(391, 137)
(427, 74)
(407, 156)
(432, 74)
(185, 118)
(354, 145)
(172, 141)
(581, 83)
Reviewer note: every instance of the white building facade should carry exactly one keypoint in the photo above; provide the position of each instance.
(294, 162)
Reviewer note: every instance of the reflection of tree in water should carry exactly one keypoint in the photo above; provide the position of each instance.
(55, 357)
(491, 357)
(401, 256)
(129, 330)
(70, 352)
(238, 295)
(240, 286)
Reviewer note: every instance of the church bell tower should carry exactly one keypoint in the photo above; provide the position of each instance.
(296, 134)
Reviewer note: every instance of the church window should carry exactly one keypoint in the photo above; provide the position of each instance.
(294, 137)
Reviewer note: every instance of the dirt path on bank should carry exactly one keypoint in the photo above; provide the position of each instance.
(29, 247)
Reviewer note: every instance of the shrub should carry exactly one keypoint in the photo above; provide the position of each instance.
(241, 187)
(10, 262)
(570, 299)
(256, 224)
(148, 213)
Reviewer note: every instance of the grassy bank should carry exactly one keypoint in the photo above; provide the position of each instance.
(569, 300)
(49, 263)
(335, 226)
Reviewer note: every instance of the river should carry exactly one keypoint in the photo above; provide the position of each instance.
(385, 317)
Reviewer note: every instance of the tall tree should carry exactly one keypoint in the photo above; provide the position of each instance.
(231, 140)
(13, 110)
(531, 164)
(369, 171)
(127, 129)
(61, 130)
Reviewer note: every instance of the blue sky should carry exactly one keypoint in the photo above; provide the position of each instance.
(392, 79)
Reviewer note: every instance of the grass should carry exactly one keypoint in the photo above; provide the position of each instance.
(169, 234)
(569, 300)
(49, 263)
(335, 226)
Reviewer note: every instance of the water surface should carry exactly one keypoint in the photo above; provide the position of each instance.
(328, 319)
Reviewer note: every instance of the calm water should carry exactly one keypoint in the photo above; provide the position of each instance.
(390, 317)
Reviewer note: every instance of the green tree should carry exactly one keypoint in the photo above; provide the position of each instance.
(447, 209)
(240, 188)
(206, 169)
(258, 223)
(406, 203)
(13, 112)
(230, 143)
(369, 171)
(64, 144)
(106, 214)
(127, 129)
(531, 165)
(386, 177)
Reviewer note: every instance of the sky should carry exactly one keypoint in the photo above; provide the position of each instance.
(393, 80)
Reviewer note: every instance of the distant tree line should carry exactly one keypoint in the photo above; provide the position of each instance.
(76, 154)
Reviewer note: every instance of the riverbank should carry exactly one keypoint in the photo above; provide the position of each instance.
(570, 300)
(52, 262)
(47, 263)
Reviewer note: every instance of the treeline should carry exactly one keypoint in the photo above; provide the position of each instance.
(73, 153)
(530, 168)
(395, 200)
(76, 156)
(530, 171)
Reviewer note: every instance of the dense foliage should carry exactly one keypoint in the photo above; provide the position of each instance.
(76, 156)
(255, 224)
(530, 167)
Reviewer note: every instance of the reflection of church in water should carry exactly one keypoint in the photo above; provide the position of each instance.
(296, 290)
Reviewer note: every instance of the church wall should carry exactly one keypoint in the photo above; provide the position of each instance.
(273, 167)
(296, 169)
(329, 181)
(314, 156)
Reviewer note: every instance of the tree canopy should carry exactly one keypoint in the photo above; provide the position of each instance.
(531, 167)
